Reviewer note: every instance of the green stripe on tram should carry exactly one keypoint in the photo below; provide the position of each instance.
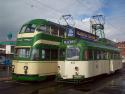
(28, 77)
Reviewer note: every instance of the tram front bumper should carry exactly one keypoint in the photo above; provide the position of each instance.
(73, 77)
(23, 77)
(78, 77)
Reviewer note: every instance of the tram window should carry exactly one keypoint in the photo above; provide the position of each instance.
(42, 28)
(23, 29)
(95, 54)
(43, 54)
(111, 55)
(61, 32)
(23, 52)
(27, 52)
(86, 55)
(72, 53)
(116, 55)
(106, 55)
(35, 54)
(61, 54)
(101, 55)
(54, 54)
(90, 54)
(54, 30)
(30, 28)
(48, 29)
(46, 54)
(98, 55)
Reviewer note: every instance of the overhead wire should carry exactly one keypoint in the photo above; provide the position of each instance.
(44, 6)
(39, 7)
(47, 6)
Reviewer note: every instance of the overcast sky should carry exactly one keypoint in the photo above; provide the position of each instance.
(14, 13)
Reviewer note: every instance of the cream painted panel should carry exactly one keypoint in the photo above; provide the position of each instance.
(35, 67)
(47, 68)
(61, 64)
(102, 67)
(46, 42)
(27, 35)
(86, 68)
(14, 62)
(115, 65)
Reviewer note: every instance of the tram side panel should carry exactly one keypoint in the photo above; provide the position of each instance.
(70, 69)
(115, 65)
(101, 67)
(85, 69)
(39, 68)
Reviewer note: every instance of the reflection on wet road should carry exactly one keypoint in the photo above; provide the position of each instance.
(113, 84)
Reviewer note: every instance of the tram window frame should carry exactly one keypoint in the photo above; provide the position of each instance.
(110, 56)
(35, 55)
(101, 55)
(39, 29)
(54, 54)
(86, 54)
(23, 29)
(54, 30)
(22, 53)
(61, 54)
(43, 53)
(76, 53)
(116, 55)
(95, 55)
(98, 55)
(61, 32)
(106, 55)
(47, 54)
(31, 28)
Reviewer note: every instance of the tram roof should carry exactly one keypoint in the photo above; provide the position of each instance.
(43, 21)
(98, 45)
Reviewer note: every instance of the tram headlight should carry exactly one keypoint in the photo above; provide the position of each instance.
(13, 66)
(58, 67)
(25, 67)
(76, 68)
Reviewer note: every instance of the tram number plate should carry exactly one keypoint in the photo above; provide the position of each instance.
(77, 76)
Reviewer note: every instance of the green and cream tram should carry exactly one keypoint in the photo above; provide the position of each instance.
(87, 56)
(37, 50)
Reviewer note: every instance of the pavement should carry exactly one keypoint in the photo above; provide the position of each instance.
(5, 74)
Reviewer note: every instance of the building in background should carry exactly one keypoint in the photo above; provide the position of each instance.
(121, 46)
(6, 52)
